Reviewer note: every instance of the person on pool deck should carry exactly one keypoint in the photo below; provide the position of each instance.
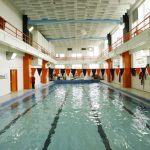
(33, 82)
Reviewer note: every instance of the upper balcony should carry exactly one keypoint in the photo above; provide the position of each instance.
(136, 39)
(12, 37)
(76, 60)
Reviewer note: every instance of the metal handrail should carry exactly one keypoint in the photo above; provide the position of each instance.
(12, 30)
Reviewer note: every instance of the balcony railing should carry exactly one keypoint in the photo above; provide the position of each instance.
(82, 58)
(138, 29)
(12, 30)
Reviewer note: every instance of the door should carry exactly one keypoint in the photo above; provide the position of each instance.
(13, 80)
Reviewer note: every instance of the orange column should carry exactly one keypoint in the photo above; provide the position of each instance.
(127, 65)
(44, 72)
(109, 62)
(27, 59)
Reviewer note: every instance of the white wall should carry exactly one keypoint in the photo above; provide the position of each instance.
(136, 83)
(39, 38)
(37, 78)
(5, 66)
(10, 13)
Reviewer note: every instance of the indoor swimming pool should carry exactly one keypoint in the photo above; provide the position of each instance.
(75, 117)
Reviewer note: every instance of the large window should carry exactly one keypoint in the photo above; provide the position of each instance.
(117, 35)
(62, 55)
(105, 51)
(143, 11)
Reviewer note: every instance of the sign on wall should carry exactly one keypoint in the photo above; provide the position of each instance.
(3, 76)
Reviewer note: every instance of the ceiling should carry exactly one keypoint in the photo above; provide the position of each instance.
(80, 31)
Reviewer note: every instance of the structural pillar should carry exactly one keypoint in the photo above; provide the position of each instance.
(109, 62)
(109, 42)
(25, 29)
(27, 59)
(126, 28)
(127, 65)
(44, 72)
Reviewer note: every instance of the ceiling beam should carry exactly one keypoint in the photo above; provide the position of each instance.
(78, 38)
(48, 22)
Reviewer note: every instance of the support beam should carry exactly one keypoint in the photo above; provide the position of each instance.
(25, 28)
(97, 21)
(109, 62)
(44, 72)
(77, 38)
(127, 65)
(109, 42)
(27, 59)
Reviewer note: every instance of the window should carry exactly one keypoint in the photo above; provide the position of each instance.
(62, 55)
(79, 55)
(117, 34)
(135, 15)
(57, 55)
(91, 53)
(77, 66)
(60, 66)
(93, 66)
(146, 8)
(105, 50)
(96, 51)
(73, 55)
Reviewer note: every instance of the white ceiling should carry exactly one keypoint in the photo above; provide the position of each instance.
(76, 10)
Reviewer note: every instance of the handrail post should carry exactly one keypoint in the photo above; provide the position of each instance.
(16, 32)
(149, 21)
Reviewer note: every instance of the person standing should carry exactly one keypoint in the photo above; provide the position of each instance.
(33, 82)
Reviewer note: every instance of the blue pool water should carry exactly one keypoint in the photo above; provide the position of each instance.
(75, 117)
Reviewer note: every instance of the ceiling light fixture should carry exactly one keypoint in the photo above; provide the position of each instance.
(10, 55)
(31, 28)
(13, 56)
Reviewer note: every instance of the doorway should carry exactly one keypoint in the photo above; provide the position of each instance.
(13, 80)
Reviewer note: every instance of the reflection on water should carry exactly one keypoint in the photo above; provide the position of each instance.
(126, 128)
(77, 93)
(94, 96)
(140, 121)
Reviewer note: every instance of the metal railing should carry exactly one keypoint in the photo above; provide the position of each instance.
(9, 28)
(12, 30)
(138, 29)
(82, 58)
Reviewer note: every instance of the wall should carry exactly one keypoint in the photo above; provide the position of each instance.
(136, 82)
(10, 13)
(37, 78)
(6, 65)
(39, 38)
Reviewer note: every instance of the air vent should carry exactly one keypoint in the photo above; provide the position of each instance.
(83, 49)
(69, 49)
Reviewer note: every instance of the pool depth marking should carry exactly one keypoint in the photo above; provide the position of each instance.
(99, 126)
(54, 124)
(19, 116)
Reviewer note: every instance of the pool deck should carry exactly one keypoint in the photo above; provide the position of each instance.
(141, 96)
(12, 97)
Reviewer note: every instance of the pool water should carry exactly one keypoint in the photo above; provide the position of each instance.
(75, 117)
